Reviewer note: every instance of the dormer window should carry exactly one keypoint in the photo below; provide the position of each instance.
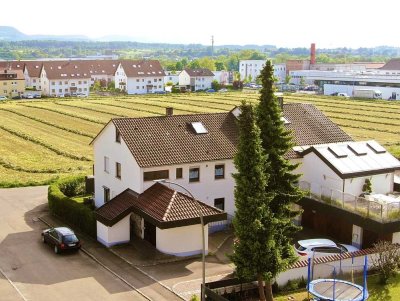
(117, 136)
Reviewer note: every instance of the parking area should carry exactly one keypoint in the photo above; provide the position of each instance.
(29, 269)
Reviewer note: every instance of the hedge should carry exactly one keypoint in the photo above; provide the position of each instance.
(61, 205)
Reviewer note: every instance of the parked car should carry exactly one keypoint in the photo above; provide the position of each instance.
(60, 95)
(223, 90)
(29, 96)
(3, 97)
(16, 97)
(321, 247)
(38, 96)
(343, 95)
(81, 95)
(61, 239)
(210, 91)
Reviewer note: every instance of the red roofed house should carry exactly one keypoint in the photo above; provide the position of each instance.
(140, 77)
(197, 151)
(196, 79)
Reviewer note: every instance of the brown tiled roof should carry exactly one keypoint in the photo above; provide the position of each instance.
(167, 140)
(34, 68)
(199, 72)
(66, 70)
(14, 65)
(101, 67)
(310, 126)
(143, 68)
(160, 205)
(16, 74)
(393, 64)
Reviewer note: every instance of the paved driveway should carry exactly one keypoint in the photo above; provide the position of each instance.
(29, 270)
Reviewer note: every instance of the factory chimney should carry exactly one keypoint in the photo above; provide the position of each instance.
(312, 54)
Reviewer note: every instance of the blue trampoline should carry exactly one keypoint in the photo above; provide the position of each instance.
(337, 290)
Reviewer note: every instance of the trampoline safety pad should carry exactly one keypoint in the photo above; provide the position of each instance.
(338, 290)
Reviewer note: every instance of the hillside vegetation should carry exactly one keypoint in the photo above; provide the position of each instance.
(45, 139)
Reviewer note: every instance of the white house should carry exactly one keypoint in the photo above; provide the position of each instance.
(58, 78)
(32, 71)
(196, 79)
(251, 69)
(172, 76)
(194, 151)
(223, 77)
(140, 77)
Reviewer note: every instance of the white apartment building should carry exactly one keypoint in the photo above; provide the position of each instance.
(196, 79)
(140, 77)
(251, 69)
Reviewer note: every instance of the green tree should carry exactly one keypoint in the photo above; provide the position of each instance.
(277, 142)
(254, 249)
(207, 62)
(179, 66)
(215, 85)
(219, 66)
(194, 64)
(288, 78)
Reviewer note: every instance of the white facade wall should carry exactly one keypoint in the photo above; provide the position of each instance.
(117, 234)
(253, 68)
(382, 184)
(387, 92)
(184, 78)
(69, 85)
(182, 241)
(45, 83)
(208, 188)
(174, 78)
(144, 85)
(120, 77)
(203, 82)
(105, 146)
(222, 77)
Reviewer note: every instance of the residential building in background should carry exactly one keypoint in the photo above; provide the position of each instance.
(250, 69)
(12, 83)
(140, 77)
(196, 79)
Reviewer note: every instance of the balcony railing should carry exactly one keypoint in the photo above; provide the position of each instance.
(367, 206)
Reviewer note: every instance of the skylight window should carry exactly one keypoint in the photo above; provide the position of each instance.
(337, 151)
(285, 121)
(376, 147)
(358, 149)
(199, 128)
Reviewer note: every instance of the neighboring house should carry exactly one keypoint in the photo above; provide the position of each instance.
(172, 76)
(250, 69)
(196, 79)
(338, 204)
(101, 70)
(223, 77)
(32, 71)
(12, 83)
(140, 77)
(59, 78)
(195, 151)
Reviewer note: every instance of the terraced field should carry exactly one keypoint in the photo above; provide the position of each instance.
(46, 139)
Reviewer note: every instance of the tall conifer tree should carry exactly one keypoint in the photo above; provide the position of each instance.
(255, 248)
(277, 142)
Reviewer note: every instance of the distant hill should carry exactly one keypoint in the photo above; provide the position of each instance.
(8, 33)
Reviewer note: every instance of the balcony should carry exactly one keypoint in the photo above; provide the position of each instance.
(378, 207)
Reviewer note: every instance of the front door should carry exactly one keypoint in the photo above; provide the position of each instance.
(393, 95)
(150, 233)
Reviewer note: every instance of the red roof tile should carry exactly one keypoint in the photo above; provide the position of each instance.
(162, 206)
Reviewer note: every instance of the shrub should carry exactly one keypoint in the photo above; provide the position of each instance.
(68, 210)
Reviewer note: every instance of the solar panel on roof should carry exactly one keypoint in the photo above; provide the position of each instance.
(199, 128)
(337, 151)
(376, 147)
(358, 148)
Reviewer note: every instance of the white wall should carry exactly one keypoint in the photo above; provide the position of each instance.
(182, 241)
(117, 234)
(120, 77)
(315, 171)
(208, 188)
(386, 91)
(69, 85)
(105, 145)
(184, 78)
(139, 85)
(254, 67)
(382, 183)
(396, 238)
(357, 236)
(174, 78)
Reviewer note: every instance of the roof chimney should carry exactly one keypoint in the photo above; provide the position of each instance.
(169, 111)
(312, 54)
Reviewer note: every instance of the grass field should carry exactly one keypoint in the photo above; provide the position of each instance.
(45, 139)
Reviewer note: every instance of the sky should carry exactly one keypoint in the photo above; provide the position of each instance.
(284, 23)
